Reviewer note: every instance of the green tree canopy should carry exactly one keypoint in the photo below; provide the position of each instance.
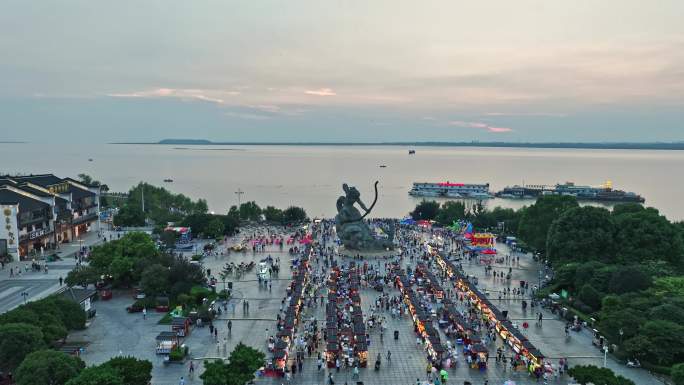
(659, 341)
(132, 370)
(215, 228)
(98, 375)
(250, 211)
(590, 296)
(425, 210)
(273, 214)
(629, 278)
(17, 340)
(677, 374)
(450, 211)
(536, 220)
(581, 234)
(646, 235)
(585, 374)
(215, 373)
(294, 214)
(48, 367)
(155, 280)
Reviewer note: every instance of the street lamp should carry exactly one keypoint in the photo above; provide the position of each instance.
(621, 334)
(605, 355)
(239, 194)
(25, 295)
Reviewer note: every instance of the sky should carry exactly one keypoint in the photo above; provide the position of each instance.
(310, 70)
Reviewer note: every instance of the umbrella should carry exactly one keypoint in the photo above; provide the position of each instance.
(509, 382)
(444, 374)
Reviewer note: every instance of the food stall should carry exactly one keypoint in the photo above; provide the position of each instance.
(166, 342)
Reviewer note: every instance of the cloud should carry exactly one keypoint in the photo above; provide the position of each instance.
(480, 125)
(210, 96)
(321, 92)
(531, 114)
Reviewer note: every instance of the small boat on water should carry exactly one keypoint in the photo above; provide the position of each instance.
(383, 166)
(412, 152)
(168, 180)
(90, 159)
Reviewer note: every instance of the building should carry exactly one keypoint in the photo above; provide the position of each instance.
(40, 212)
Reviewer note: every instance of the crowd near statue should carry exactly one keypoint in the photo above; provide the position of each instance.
(351, 228)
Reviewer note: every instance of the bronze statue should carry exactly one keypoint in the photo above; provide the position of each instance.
(354, 233)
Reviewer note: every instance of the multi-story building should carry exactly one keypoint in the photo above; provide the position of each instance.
(40, 212)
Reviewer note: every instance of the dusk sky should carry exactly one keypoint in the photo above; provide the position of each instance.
(380, 70)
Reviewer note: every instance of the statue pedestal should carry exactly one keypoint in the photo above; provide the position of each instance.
(373, 254)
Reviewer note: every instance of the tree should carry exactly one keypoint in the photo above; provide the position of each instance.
(629, 278)
(169, 239)
(214, 229)
(659, 341)
(215, 373)
(130, 215)
(585, 374)
(581, 234)
(273, 214)
(48, 367)
(132, 370)
(17, 340)
(244, 361)
(590, 297)
(250, 211)
(425, 210)
(646, 235)
(155, 280)
(98, 375)
(82, 276)
(677, 374)
(536, 220)
(449, 212)
(294, 214)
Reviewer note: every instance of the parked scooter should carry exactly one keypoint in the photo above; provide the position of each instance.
(633, 363)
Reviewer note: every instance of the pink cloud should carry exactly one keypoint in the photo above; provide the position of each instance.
(541, 114)
(499, 129)
(484, 126)
(321, 92)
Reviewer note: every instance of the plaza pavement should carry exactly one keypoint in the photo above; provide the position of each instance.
(115, 332)
(37, 284)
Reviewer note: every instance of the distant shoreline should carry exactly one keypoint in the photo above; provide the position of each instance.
(572, 145)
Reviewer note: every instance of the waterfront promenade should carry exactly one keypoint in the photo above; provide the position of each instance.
(114, 332)
(38, 284)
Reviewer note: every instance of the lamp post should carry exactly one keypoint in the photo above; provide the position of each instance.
(621, 334)
(25, 295)
(605, 355)
(239, 194)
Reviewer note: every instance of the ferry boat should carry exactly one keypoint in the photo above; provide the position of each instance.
(451, 190)
(603, 193)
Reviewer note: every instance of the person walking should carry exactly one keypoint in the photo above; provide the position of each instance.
(230, 326)
(191, 370)
(144, 313)
(389, 357)
(61, 280)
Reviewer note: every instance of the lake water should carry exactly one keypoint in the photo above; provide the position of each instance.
(311, 176)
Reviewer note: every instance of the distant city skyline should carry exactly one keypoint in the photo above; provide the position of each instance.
(342, 71)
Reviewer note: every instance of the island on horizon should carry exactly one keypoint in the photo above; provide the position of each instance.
(575, 145)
